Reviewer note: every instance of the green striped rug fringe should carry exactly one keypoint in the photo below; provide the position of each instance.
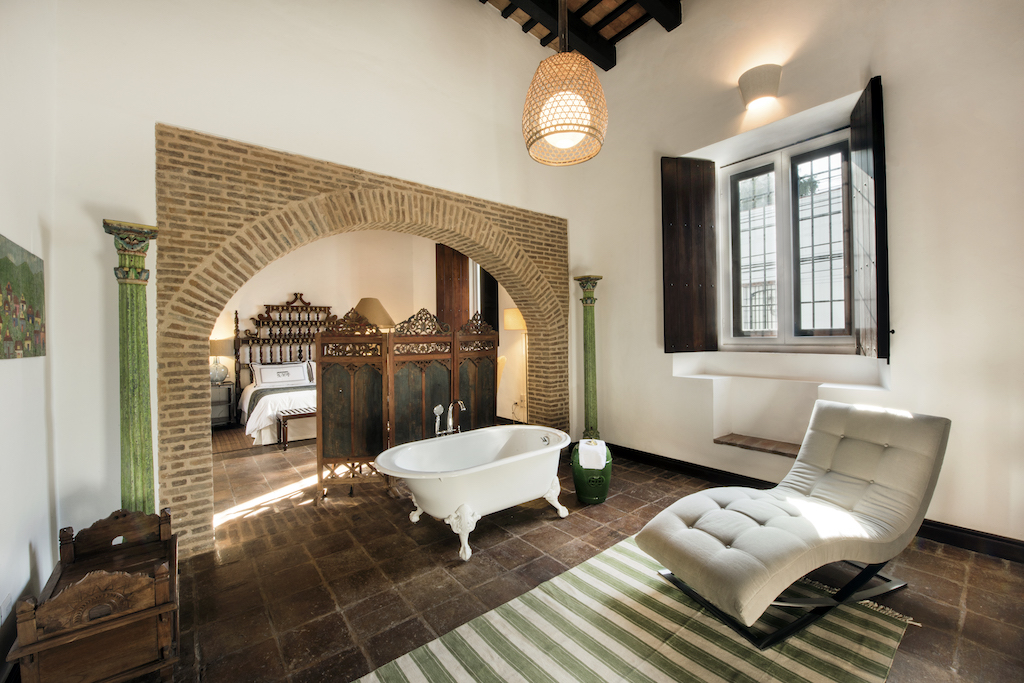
(613, 619)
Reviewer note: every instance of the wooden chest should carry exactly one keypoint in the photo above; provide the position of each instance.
(110, 609)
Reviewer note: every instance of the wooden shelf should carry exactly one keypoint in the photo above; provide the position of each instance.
(756, 443)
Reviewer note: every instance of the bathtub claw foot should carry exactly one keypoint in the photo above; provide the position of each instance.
(552, 497)
(414, 516)
(463, 521)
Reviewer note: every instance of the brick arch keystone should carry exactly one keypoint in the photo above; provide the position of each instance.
(245, 207)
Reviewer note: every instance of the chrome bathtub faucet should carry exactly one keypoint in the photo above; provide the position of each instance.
(439, 411)
(451, 407)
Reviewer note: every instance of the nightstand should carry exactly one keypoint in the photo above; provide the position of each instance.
(222, 403)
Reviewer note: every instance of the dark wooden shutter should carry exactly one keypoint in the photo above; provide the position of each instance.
(869, 225)
(689, 254)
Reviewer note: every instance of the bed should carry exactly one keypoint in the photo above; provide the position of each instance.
(260, 404)
(273, 364)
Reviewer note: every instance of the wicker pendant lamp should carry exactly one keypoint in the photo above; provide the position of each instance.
(565, 117)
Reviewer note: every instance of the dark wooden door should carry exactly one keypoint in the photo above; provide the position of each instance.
(452, 286)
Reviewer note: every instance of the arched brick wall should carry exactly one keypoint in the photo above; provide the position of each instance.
(226, 209)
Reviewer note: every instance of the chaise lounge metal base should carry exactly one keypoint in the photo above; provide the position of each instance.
(857, 492)
(819, 607)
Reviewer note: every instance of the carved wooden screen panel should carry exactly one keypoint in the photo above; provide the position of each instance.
(352, 397)
(476, 352)
(420, 354)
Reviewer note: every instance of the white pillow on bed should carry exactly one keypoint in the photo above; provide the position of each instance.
(312, 371)
(280, 375)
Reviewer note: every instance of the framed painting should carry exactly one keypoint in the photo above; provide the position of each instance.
(22, 303)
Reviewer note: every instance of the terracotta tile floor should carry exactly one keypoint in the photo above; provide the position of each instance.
(296, 592)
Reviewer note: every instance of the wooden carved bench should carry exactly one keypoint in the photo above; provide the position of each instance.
(109, 611)
(290, 414)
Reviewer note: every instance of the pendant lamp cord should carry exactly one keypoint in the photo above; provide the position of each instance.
(563, 27)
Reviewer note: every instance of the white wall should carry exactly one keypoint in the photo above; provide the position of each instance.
(953, 79)
(27, 502)
(433, 93)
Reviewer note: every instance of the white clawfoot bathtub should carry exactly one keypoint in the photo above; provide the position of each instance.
(460, 478)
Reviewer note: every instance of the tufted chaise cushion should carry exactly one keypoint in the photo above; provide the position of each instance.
(858, 491)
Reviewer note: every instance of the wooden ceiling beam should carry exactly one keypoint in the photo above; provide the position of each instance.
(585, 9)
(588, 39)
(668, 13)
(613, 15)
(629, 29)
(589, 42)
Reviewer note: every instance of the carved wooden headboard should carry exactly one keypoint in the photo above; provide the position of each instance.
(283, 333)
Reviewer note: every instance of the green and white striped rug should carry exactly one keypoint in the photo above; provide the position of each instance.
(613, 618)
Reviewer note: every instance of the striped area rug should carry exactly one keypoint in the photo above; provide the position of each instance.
(613, 618)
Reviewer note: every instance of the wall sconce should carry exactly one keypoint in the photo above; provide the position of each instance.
(759, 83)
(513, 321)
(218, 348)
(374, 311)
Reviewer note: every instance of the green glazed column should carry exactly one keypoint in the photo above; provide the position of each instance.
(132, 243)
(588, 283)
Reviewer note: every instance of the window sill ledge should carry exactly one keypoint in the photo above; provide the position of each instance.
(828, 370)
(754, 443)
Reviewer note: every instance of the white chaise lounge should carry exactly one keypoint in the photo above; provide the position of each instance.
(858, 492)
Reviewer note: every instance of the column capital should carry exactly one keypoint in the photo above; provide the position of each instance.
(132, 242)
(588, 283)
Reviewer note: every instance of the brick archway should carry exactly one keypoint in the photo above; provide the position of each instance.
(225, 210)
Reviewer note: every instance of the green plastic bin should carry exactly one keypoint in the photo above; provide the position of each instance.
(591, 484)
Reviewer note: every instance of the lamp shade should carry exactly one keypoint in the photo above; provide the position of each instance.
(513, 319)
(565, 116)
(222, 347)
(373, 310)
(760, 82)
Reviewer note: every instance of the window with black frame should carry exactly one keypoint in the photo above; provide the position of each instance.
(790, 262)
(754, 253)
(821, 232)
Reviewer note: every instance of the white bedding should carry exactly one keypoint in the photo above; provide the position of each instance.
(262, 424)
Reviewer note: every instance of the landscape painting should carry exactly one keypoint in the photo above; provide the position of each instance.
(23, 309)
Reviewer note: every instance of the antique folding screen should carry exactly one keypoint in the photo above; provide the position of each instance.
(476, 351)
(351, 393)
(420, 357)
(368, 381)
